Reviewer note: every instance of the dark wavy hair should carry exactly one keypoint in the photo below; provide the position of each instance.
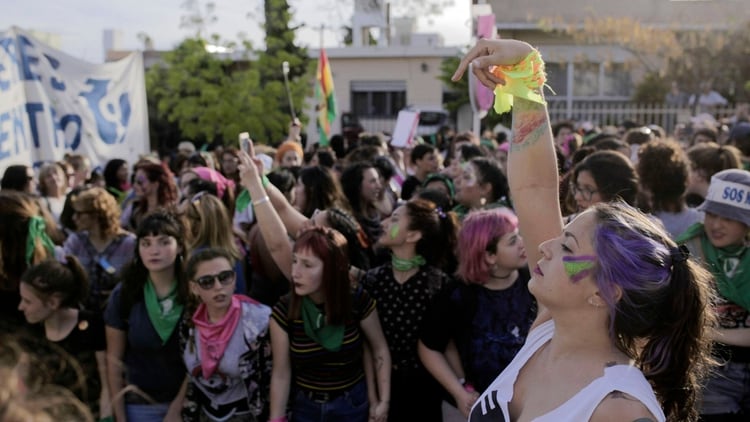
(322, 190)
(135, 274)
(159, 173)
(110, 173)
(663, 170)
(613, 173)
(69, 280)
(438, 228)
(351, 183)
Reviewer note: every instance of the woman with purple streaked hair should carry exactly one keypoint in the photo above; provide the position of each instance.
(621, 332)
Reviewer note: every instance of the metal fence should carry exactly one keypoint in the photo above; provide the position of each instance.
(600, 113)
(603, 113)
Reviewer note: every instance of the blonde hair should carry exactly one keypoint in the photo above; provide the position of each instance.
(104, 206)
(210, 224)
(45, 171)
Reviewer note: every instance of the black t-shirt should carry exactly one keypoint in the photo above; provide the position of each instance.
(488, 326)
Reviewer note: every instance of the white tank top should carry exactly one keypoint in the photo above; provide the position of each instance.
(492, 405)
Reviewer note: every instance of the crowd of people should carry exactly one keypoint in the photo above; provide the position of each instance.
(569, 272)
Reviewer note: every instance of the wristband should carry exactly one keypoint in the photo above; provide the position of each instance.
(259, 201)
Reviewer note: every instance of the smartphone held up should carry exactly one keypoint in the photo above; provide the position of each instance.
(245, 142)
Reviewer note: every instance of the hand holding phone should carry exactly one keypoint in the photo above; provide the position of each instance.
(245, 142)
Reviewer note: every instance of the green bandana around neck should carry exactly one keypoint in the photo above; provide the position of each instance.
(401, 264)
(328, 336)
(164, 313)
(729, 266)
(37, 230)
(242, 201)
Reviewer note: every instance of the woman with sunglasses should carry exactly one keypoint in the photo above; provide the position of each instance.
(225, 345)
(319, 330)
(141, 319)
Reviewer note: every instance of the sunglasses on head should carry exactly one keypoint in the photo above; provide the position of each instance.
(207, 281)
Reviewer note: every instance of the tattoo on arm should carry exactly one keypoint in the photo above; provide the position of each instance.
(378, 363)
(530, 121)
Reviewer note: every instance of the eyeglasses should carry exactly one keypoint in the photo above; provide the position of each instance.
(586, 193)
(207, 281)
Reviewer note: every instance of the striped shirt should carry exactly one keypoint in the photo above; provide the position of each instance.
(318, 369)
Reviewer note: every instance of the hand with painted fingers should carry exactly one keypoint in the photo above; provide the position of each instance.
(488, 53)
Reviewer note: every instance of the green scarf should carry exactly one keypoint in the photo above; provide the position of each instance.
(401, 264)
(730, 267)
(164, 313)
(328, 336)
(37, 230)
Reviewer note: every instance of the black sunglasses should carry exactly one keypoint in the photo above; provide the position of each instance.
(207, 281)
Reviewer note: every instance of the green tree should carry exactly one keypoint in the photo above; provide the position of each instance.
(202, 96)
(211, 98)
(281, 47)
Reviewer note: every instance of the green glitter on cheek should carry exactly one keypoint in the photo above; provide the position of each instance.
(394, 231)
(578, 267)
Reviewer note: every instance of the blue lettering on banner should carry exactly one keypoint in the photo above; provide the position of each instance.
(4, 117)
(108, 130)
(4, 84)
(28, 60)
(31, 110)
(6, 44)
(57, 85)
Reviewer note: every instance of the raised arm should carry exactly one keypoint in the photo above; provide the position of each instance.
(271, 227)
(293, 220)
(532, 167)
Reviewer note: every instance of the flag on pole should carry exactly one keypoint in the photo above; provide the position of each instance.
(326, 99)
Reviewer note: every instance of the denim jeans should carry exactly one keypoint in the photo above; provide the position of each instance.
(146, 412)
(352, 406)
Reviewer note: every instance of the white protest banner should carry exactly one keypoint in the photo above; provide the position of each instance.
(52, 104)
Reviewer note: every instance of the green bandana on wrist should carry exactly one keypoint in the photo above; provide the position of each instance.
(37, 230)
(401, 264)
(328, 336)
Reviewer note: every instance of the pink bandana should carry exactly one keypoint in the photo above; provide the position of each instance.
(222, 183)
(215, 337)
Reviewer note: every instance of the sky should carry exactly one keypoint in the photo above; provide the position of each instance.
(80, 23)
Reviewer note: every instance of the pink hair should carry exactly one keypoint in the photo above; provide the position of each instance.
(480, 232)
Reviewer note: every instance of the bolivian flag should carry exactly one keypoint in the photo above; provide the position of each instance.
(326, 99)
